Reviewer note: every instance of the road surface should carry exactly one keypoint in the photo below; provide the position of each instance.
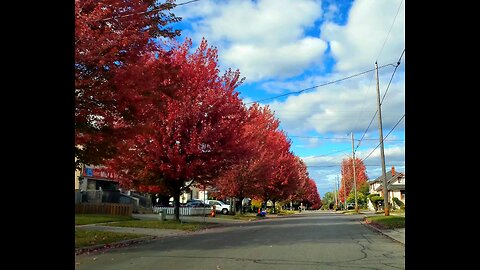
(311, 241)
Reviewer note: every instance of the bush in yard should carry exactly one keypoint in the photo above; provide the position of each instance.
(399, 202)
(255, 205)
(375, 200)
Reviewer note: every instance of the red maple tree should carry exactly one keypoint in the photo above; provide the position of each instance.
(312, 197)
(346, 185)
(244, 178)
(195, 137)
(117, 65)
(280, 169)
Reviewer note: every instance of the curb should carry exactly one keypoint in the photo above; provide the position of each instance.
(143, 239)
(124, 243)
(380, 231)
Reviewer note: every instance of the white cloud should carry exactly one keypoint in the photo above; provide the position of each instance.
(264, 39)
(325, 169)
(341, 108)
(357, 44)
(264, 61)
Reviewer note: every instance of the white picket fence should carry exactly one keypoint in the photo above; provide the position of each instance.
(184, 211)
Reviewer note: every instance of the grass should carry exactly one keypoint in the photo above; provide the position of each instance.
(157, 224)
(83, 219)
(239, 217)
(85, 238)
(387, 222)
(287, 212)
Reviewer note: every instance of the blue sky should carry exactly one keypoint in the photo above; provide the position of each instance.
(283, 46)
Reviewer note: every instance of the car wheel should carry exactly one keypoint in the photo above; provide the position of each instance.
(224, 211)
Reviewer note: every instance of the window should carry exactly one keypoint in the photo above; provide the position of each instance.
(402, 195)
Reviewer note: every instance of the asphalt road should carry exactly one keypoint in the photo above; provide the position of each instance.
(314, 241)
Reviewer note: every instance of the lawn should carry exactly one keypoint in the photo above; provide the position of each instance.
(247, 217)
(157, 224)
(85, 238)
(387, 222)
(287, 212)
(82, 219)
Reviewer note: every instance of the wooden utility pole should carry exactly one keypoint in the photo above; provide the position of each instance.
(354, 175)
(382, 152)
(338, 184)
(344, 195)
(335, 195)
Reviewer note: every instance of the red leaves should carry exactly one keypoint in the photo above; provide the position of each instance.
(109, 54)
(196, 135)
(347, 176)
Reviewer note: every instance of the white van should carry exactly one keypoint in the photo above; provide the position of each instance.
(219, 206)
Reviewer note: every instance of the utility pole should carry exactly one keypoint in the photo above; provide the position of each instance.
(335, 197)
(382, 152)
(338, 194)
(344, 195)
(354, 175)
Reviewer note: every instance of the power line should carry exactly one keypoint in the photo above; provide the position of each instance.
(365, 132)
(317, 137)
(384, 137)
(388, 86)
(337, 151)
(366, 165)
(325, 138)
(398, 64)
(320, 85)
(388, 34)
(363, 102)
(145, 12)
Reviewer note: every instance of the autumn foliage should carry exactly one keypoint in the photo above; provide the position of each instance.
(195, 137)
(347, 177)
(117, 69)
(164, 119)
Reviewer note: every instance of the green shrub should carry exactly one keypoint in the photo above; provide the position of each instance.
(375, 199)
(398, 202)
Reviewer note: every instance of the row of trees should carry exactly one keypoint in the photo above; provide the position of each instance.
(164, 119)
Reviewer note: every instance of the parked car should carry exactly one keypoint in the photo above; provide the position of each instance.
(219, 206)
(195, 203)
(350, 205)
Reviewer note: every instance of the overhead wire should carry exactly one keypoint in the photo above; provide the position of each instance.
(388, 34)
(326, 138)
(384, 137)
(324, 155)
(383, 97)
(320, 85)
(144, 12)
(336, 165)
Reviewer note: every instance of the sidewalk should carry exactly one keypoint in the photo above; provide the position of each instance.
(397, 234)
(218, 219)
(148, 233)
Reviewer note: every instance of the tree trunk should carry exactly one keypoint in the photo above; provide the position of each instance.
(273, 211)
(242, 209)
(176, 204)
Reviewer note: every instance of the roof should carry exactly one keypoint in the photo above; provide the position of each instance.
(390, 181)
(389, 177)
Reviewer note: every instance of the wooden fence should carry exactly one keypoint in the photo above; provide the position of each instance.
(117, 209)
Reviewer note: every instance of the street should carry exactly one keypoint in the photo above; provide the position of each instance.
(310, 241)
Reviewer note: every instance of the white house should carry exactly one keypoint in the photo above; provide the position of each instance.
(395, 186)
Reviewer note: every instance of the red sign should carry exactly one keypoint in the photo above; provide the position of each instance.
(100, 172)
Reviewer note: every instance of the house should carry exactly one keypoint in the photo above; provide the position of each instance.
(395, 185)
